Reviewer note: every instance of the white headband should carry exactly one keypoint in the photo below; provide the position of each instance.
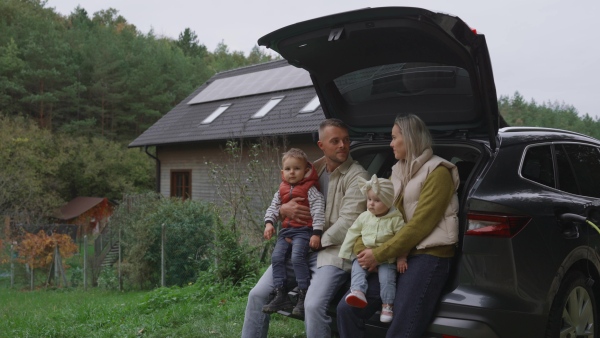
(383, 188)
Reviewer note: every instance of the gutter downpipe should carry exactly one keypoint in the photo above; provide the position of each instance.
(157, 167)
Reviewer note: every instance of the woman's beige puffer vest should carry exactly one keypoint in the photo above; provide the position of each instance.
(446, 231)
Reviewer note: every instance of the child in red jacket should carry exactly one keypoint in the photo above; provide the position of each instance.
(299, 179)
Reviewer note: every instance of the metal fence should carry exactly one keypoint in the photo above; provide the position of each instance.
(107, 252)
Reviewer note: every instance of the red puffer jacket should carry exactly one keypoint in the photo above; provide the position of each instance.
(300, 189)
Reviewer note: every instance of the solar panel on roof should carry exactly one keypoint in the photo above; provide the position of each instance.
(265, 81)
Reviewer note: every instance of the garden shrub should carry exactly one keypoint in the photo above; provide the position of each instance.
(108, 279)
(76, 277)
(188, 226)
(188, 233)
(235, 259)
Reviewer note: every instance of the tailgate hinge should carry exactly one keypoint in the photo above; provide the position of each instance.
(335, 34)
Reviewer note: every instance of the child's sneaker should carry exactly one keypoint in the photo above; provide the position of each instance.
(356, 299)
(386, 313)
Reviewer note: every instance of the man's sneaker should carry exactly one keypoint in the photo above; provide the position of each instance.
(299, 308)
(356, 299)
(386, 313)
(280, 302)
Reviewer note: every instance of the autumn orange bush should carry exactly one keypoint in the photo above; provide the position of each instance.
(37, 250)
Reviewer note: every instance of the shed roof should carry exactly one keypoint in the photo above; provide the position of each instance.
(183, 123)
(78, 206)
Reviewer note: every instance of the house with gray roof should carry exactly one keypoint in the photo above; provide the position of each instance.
(272, 99)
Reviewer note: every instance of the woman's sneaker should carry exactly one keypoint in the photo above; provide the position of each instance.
(386, 313)
(356, 299)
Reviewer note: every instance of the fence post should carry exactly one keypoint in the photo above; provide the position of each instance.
(85, 263)
(162, 257)
(56, 271)
(31, 281)
(119, 263)
(12, 266)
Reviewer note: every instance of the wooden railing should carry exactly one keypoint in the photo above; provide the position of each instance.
(102, 245)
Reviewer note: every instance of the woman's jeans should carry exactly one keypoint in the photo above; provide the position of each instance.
(387, 280)
(417, 294)
(299, 256)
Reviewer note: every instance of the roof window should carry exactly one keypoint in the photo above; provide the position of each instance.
(267, 107)
(216, 113)
(311, 106)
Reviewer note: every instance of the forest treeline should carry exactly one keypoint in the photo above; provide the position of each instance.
(75, 90)
(519, 112)
(40, 171)
(96, 74)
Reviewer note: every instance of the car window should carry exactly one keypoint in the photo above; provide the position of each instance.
(403, 80)
(538, 166)
(566, 177)
(585, 163)
(376, 162)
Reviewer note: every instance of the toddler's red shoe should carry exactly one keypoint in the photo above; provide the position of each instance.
(356, 299)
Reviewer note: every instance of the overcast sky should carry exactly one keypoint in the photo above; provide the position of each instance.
(548, 50)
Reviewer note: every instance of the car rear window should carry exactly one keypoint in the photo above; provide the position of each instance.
(404, 80)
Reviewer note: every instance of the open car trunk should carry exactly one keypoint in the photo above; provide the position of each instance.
(370, 65)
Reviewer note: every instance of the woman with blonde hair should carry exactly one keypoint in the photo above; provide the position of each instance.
(425, 193)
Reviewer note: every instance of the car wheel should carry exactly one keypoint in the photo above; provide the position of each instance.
(573, 310)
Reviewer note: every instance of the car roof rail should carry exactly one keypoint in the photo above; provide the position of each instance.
(534, 129)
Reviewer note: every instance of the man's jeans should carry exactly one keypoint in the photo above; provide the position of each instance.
(325, 283)
(299, 256)
(417, 293)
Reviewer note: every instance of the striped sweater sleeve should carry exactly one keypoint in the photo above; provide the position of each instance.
(317, 210)
(272, 214)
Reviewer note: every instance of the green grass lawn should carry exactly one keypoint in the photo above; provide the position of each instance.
(193, 311)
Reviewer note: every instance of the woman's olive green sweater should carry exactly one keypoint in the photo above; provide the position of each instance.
(435, 196)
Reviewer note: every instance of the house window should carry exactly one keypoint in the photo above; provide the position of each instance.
(181, 184)
(267, 107)
(311, 106)
(216, 113)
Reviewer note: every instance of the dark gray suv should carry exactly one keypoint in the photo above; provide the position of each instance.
(528, 259)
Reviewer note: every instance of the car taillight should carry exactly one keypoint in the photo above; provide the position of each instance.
(495, 225)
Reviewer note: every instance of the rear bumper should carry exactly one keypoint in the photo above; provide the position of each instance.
(479, 322)
(460, 328)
